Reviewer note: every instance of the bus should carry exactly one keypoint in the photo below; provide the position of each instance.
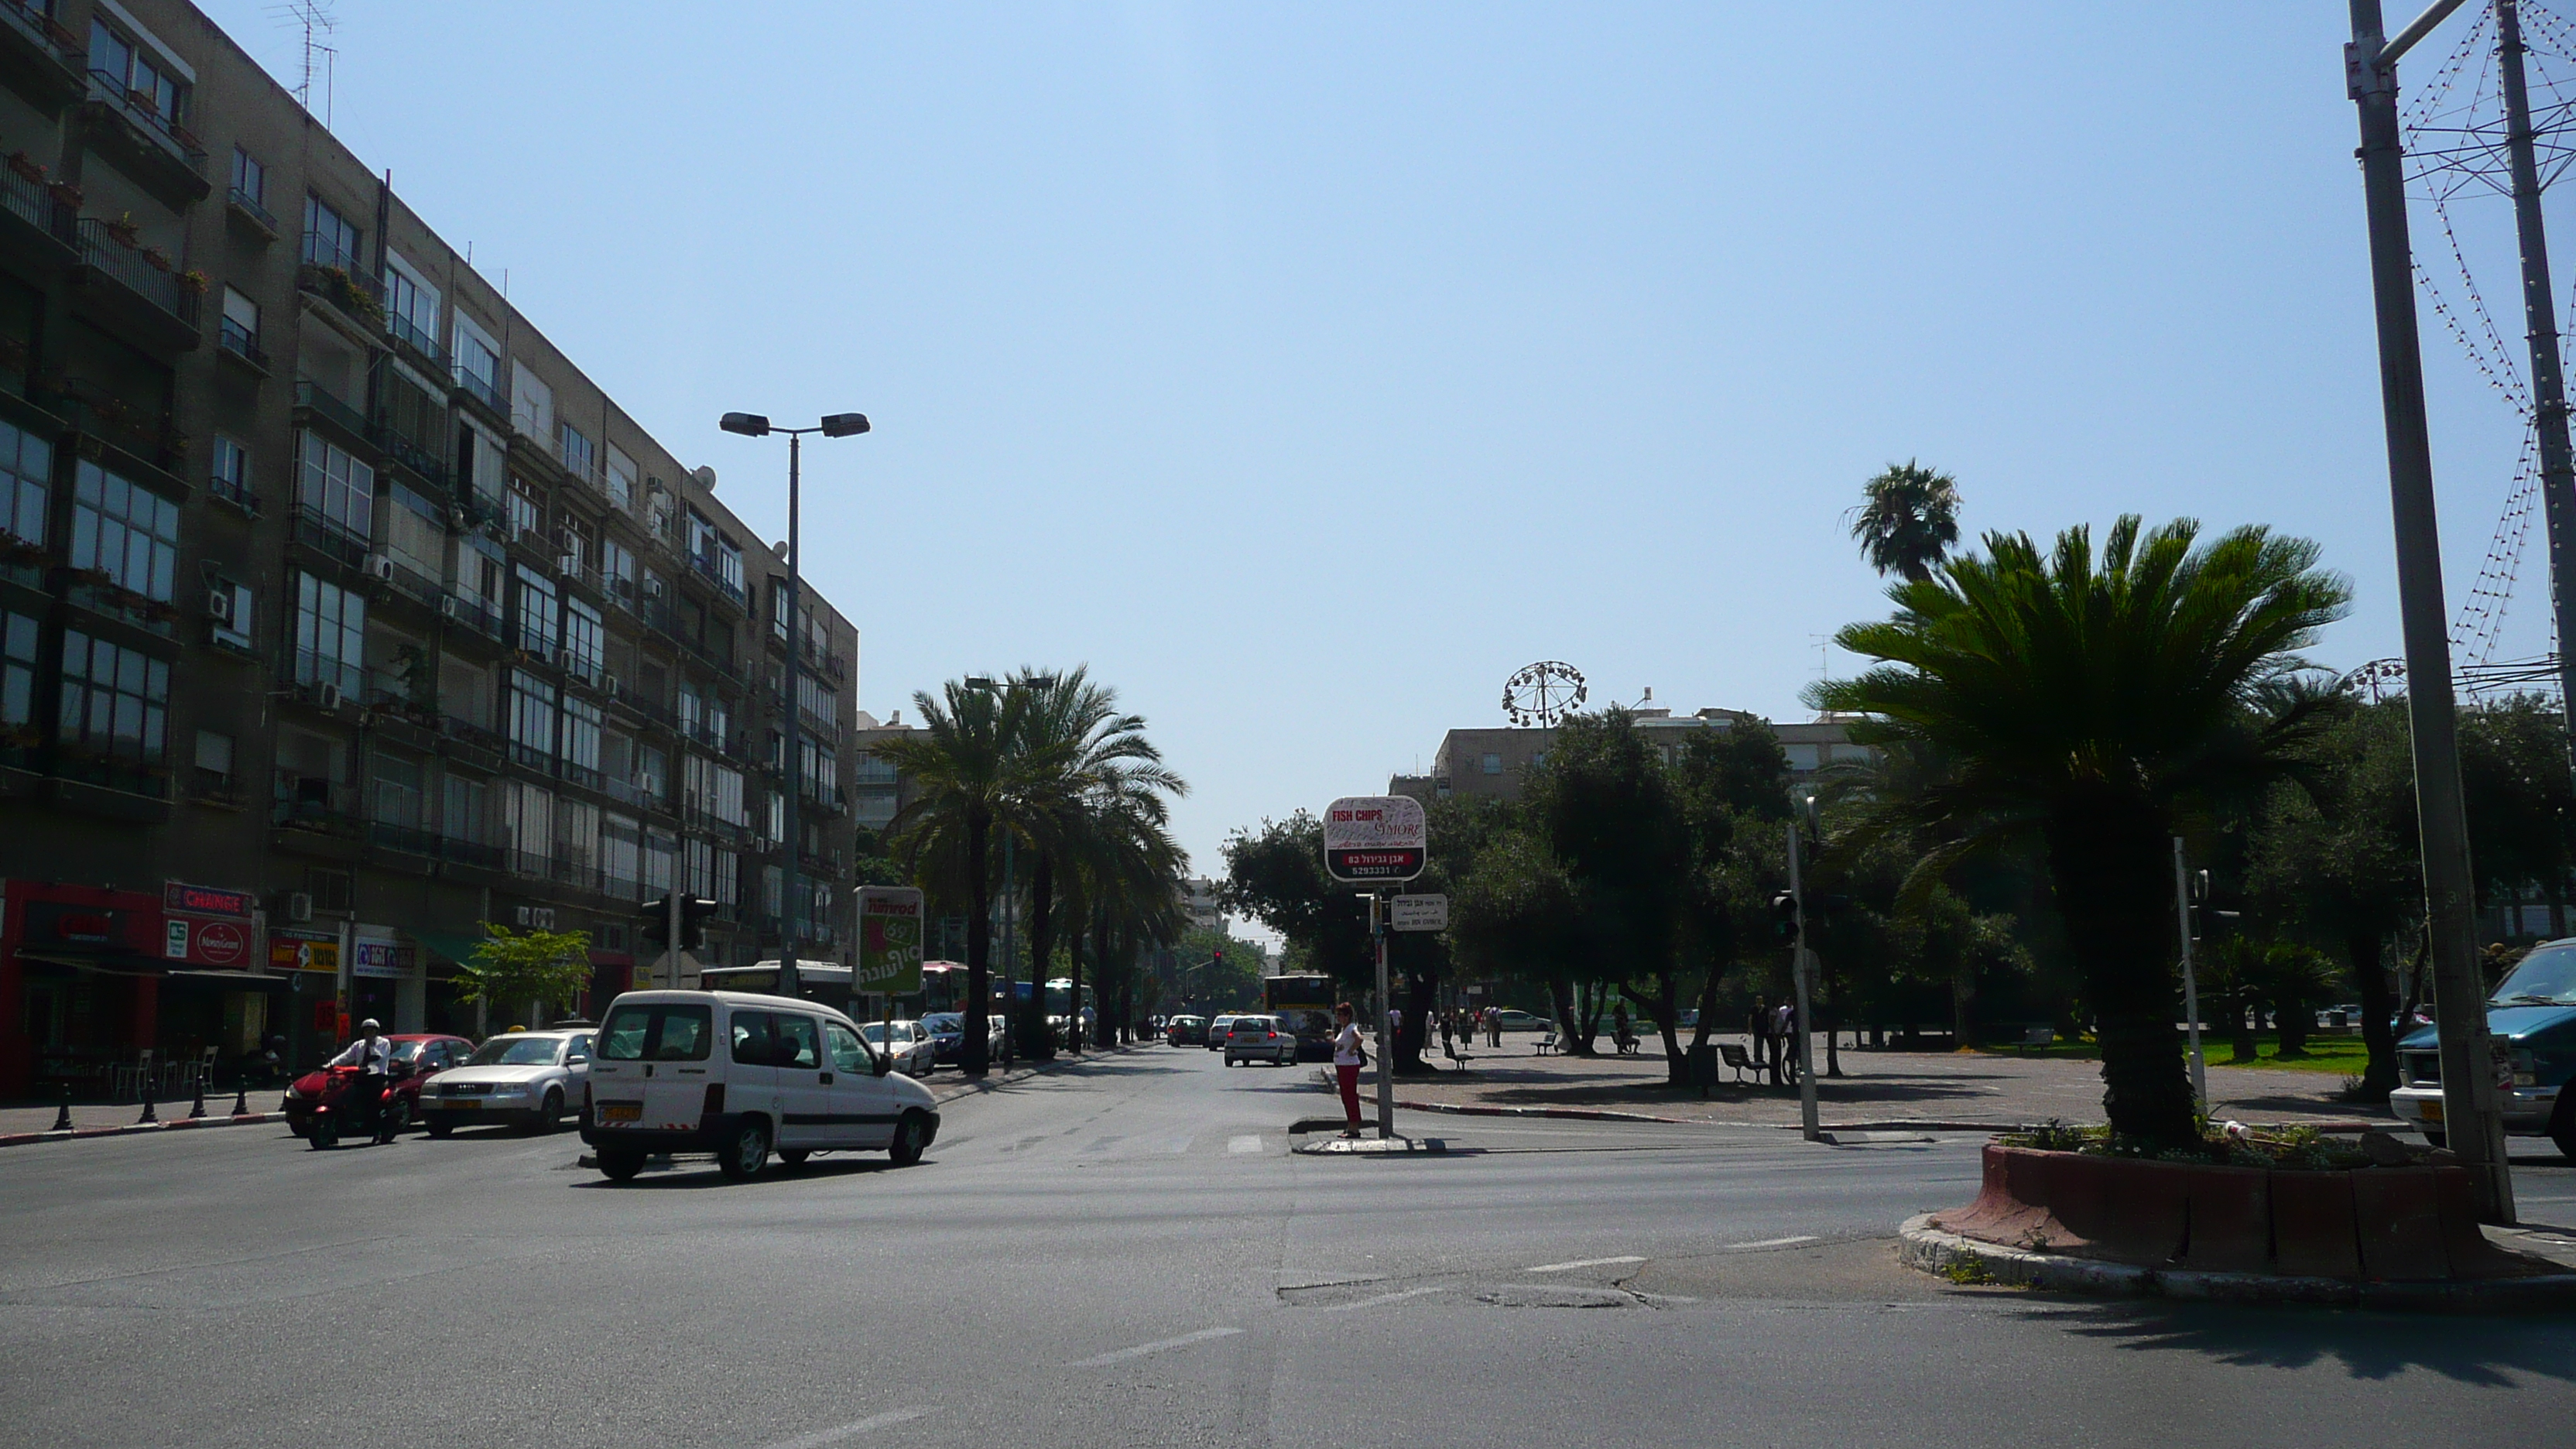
(1304, 1007)
(824, 983)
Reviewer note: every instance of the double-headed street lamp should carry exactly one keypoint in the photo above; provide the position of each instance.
(753, 425)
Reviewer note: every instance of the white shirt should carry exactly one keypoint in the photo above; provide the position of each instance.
(373, 1053)
(1346, 1046)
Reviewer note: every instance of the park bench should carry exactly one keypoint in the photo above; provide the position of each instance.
(1628, 1044)
(1456, 1052)
(1735, 1058)
(1547, 1043)
(2038, 1036)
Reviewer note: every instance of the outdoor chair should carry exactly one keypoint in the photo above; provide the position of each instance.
(1548, 1042)
(1736, 1060)
(1456, 1052)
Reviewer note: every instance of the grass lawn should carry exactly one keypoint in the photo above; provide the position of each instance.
(2342, 1055)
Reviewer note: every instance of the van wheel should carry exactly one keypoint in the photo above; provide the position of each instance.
(620, 1164)
(911, 1139)
(744, 1150)
(438, 1126)
(793, 1156)
(2436, 1139)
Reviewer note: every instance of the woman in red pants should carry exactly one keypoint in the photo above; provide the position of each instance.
(1348, 1058)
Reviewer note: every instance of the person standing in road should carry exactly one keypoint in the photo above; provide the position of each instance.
(1348, 1057)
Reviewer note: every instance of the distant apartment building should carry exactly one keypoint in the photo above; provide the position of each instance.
(1206, 911)
(1495, 763)
(339, 610)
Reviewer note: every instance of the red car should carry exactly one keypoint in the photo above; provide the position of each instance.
(424, 1055)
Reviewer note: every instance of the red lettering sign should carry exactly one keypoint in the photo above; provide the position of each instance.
(221, 943)
(197, 900)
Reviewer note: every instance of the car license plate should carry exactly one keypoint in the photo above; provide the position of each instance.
(2432, 1110)
(453, 1103)
(621, 1111)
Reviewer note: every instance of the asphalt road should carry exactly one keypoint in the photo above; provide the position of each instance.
(1126, 1251)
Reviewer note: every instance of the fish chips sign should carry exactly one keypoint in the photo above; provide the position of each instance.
(889, 941)
(1375, 838)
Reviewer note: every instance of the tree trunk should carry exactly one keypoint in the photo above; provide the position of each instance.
(2378, 1012)
(2110, 859)
(1419, 992)
(1103, 947)
(1036, 1041)
(2554, 887)
(1666, 1004)
(2293, 1019)
(1560, 995)
(1073, 989)
(972, 1056)
(2243, 1021)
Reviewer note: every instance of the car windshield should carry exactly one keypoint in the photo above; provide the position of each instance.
(406, 1050)
(2546, 977)
(947, 1021)
(517, 1051)
(875, 1032)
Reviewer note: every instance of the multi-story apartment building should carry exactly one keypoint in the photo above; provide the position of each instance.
(1496, 762)
(339, 610)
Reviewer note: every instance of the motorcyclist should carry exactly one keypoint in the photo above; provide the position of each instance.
(373, 1056)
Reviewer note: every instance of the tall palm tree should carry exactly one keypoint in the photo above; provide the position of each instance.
(1908, 519)
(1128, 872)
(2097, 702)
(975, 769)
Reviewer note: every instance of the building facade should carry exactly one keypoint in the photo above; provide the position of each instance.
(1495, 763)
(341, 611)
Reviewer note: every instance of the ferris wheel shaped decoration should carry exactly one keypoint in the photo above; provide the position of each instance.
(1541, 695)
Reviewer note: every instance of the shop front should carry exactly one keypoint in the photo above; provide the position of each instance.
(92, 977)
(308, 1013)
(385, 980)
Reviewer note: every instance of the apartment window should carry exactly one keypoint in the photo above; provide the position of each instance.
(250, 178)
(773, 825)
(661, 850)
(577, 834)
(18, 671)
(540, 615)
(531, 723)
(330, 634)
(575, 542)
(337, 488)
(231, 470)
(526, 516)
(532, 403)
(817, 700)
(466, 816)
(239, 333)
(479, 465)
(26, 483)
(214, 757)
(621, 479)
(617, 565)
(480, 570)
(581, 728)
(527, 825)
(574, 447)
(773, 891)
(330, 240)
(116, 701)
(478, 362)
(125, 531)
(716, 555)
(411, 306)
(1493, 764)
(702, 857)
(398, 794)
(232, 625)
(652, 771)
(621, 852)
(140, 79)
(583, 639)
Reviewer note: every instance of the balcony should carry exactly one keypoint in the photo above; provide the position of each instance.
(474, 615)
(244, 211)
(136, 287)
(39, 58)
(234, 495)
(627, 792)
(473, 853)
(485, 393)
(24, 194)
(707, 566)
(330, 539)
(318, 401)
(411, 455)
(239, 343)
(418, 341)
(409, 839)
(353, 301)
(152, 148)
(101, 414)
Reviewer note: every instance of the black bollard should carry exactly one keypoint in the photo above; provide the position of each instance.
(241, 1097)
(198, 1108)
(149, 1117)
(63, 1113)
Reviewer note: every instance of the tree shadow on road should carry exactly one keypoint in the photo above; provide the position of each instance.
(2503, 1351)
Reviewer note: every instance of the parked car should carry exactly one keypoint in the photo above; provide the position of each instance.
(743, 1076)
(1186, 1031)
(526, 1078)
(1510, 1020)
(417, 1058)
(947, 1031)
(904, 1043)
(2531, 1019)
(1216, 1032)
(1259, 1039)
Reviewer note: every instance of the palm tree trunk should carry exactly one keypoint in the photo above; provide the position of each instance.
(1102, 947)
(1038, 1042)
(2110, 857)
(972, 1058)
(2378, 1015)
(1073, 987)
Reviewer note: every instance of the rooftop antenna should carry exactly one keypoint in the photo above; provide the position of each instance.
(318, 22)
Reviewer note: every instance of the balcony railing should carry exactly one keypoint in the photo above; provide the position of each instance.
(337, 279)
(408, 838)
(232, 492)
(28, 197)
(316, 531)
(238, 340)
(483, 390)
(709, 568)
(102, 251)
(314, 398)
(475, 616)
(412, 455)
(43, 32)
(471, 852)
(169, 135)
(627, 792)
(248, 205)
(315, 668)
(412, 335)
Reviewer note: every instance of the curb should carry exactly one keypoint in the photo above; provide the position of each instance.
(176, 1124)
(1932, 1250)
(1579, 1114)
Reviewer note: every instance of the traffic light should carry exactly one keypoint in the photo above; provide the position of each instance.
(1220, 957)
(1784, 915)
(653, 920)
(694, 913)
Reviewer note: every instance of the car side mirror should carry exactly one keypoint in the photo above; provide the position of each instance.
(884, 1064)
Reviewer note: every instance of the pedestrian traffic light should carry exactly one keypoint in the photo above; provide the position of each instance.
(1784, 915)
(694, 914)
(654, 923)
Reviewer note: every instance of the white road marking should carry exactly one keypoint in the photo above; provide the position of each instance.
(1773, 1242)
(1583, 1263)
(821, 1437)
(1142, 1349)
(1180, 1144)
(1383, 1298)
(1250, 1142)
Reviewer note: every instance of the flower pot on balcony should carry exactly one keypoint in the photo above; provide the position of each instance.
(124, 233)
(27, 166)
(155, 258)
(66, 193)
(193, 280)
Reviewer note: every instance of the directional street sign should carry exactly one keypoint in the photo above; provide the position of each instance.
(1418, 913)
(1375, 838)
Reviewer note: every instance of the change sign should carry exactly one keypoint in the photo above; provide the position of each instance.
(889, 941)
(1375, 838)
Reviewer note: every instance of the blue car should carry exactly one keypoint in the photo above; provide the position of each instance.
(2532, 1019)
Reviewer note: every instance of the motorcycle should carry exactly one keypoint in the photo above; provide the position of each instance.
(344, 1108)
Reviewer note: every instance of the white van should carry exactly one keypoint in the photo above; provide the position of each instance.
(741, 1076)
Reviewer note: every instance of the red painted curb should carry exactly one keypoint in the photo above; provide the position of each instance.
(247, 1119)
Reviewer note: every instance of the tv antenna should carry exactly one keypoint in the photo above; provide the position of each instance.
(319, 24)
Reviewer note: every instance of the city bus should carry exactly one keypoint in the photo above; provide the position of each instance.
(1304, 1007)
(822, 982)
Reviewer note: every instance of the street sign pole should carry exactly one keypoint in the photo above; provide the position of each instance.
(1386, 1021)
(2190, 985)
(1378, 842)
(1802, 965)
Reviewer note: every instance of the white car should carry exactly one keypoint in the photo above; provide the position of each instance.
(914, 1051)
(1259, 1039)
(742, 1076)
(1216, 1031)
(528, 1078)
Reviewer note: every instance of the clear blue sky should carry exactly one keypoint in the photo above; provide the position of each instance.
(1306, 369)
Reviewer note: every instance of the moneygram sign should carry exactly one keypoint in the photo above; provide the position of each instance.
(1375, 838)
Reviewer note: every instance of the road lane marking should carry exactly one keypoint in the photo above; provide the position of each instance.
(1250, 1142)
(1584, 1263)
(821, 1437)
(1142, 1349)
(1180, 1144)
(1772, 1242)
(1383, 1298)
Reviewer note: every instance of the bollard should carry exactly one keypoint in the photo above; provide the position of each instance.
(149, 1117)
(198, 1108)
(241, 1097)
(63, 1113)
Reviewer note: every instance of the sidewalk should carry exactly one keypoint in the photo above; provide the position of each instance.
(1877, 1089)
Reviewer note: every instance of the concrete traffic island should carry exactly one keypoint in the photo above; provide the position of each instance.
(1339, 1146)
(2402, 1235)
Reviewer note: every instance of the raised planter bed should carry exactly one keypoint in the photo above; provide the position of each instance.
(2383, 1224)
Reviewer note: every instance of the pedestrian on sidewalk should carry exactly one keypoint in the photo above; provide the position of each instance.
(1784, 1031)
(1757, 1034)
(1494, 1027)
(1348, 1057)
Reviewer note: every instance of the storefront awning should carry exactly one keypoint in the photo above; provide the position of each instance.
(453, 947)
(235, 980)
(105, 963)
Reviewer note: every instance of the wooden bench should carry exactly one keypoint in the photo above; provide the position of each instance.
(1548, 1042)
(2038, 1036)
(1735, 1058)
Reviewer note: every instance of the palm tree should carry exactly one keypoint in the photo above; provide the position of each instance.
(974, 767)
(1908, 521)
(1126, 881)
(2097, 703)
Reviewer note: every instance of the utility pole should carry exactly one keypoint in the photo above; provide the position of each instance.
(2190, 986)
(1801, 966)
(2548, 382)
(790, 981)
(2473, 1123)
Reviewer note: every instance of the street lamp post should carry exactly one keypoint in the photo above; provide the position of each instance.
(753, 425)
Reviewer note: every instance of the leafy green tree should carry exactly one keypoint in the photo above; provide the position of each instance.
(1275, 875)
(1606, 808)
(1908, 520)
(2095, 700)
(1516, 913)
(511, 968)
(1731, 790)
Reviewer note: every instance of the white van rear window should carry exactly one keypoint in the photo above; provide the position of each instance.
(656, 1033)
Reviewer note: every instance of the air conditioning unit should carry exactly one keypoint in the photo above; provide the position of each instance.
(451, 606)
(608, 683)
(569, 565)
(219, 603)
(380, 566)
(327, 695)
(299, 906)
(540, 918)
(652, 588)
